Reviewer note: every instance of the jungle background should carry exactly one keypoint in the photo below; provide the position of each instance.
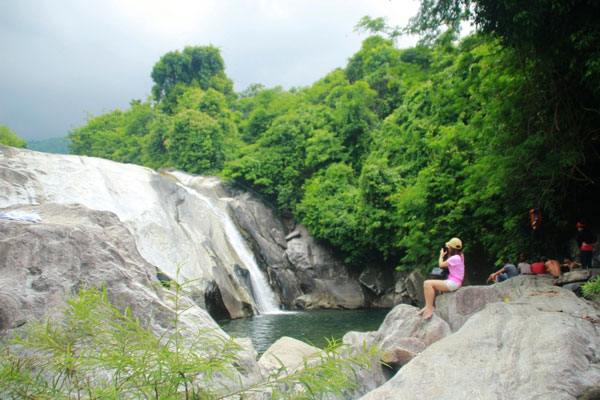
(391, 155)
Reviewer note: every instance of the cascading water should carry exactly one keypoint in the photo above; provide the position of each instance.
(263, 295)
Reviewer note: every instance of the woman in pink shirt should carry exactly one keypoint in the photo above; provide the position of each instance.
(456, 264)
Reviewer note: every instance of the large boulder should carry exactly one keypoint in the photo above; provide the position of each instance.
(403, 322)
(75, 247)
(367, 379)
(401, 337)
(578, 275)
(287, 353)
(543, 344)
(457, 307)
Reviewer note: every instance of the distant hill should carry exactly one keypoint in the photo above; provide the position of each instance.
(52, 145)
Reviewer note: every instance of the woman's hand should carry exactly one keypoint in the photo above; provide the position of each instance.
(443, 252)
(441, 262)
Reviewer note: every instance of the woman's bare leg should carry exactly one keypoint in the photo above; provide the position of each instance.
(429, 287)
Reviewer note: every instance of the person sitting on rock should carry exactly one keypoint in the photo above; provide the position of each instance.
(456, 264)
(504, 273)
(539, 267)
(553, 267)
(570, 264)
(523, 266)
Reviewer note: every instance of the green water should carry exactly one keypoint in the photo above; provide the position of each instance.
(313, 327)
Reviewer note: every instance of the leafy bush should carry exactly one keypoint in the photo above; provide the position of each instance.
(592, 288)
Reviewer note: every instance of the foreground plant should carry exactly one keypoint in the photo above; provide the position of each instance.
(592, 288)
(97, 351)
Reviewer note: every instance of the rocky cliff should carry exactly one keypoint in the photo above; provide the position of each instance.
(189, 227)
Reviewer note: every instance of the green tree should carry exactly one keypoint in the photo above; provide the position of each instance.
(275, 163)
(195, 142)
(331, 209)
(353, 118)
(118, 135)
(101, 137)
(260, 108)
(557, 46)
(155, 152)
(563, 35)
(199, 66)
(202, 134)
(8, 138)
(378, 63)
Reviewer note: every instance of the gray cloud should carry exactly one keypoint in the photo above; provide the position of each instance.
(62, 59)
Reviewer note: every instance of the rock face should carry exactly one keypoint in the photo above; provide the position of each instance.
(182, 224)
(42, 263)
(176, 228)
(305, 273)
(410, 288)
(520, 339)
(324, 280)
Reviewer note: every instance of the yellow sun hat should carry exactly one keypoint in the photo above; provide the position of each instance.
(455, 243)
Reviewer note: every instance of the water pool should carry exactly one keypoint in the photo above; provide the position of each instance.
(313, 327)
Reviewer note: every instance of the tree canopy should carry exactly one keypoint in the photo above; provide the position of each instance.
(401, 149)
(199, 66)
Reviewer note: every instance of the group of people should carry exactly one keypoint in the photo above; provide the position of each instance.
(543, 265)
(585, 242)
(451, 257)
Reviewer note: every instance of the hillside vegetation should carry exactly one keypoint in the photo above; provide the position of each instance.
(401, 149)
(52, 145)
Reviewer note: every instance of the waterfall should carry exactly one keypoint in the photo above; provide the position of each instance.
(263, 295)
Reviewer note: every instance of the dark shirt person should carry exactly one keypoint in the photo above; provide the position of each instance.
(585, 241)
(506, 272)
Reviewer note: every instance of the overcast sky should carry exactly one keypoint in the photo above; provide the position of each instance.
(62, 60)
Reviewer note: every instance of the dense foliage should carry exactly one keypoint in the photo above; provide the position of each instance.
(8, 138)
(389, 157)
